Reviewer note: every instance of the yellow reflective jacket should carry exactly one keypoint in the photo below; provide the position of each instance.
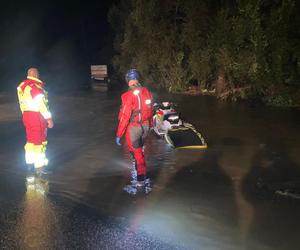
(32, 97)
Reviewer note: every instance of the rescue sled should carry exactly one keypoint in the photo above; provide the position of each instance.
(165, 118)
(167, 123)
(185, 136)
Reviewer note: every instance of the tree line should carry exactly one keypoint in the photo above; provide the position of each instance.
(241, 49)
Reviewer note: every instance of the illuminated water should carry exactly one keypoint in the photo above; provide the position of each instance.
(201, 199)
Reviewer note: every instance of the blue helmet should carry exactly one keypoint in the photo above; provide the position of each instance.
(132, 74)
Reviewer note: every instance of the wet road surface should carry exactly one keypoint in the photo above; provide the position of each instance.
(219, 198)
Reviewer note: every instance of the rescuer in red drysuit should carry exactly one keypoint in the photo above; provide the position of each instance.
(36, 118)
(135, 120)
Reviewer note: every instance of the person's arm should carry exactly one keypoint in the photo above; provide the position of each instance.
(124, 114)
(20, 95)
(41, 101)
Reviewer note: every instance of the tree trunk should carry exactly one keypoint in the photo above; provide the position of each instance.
(221, 84)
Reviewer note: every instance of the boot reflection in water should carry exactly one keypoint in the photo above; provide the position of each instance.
(36, 182)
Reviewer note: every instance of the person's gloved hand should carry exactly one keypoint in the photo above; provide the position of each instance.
(118, 141)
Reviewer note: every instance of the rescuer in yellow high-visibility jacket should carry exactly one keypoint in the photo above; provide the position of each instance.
(33, 102)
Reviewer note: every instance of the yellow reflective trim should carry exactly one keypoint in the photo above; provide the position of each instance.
(38, 148)
(29, 147)
(44, 146)
(29, 153)
(188, 127)
(34, 78)
(176, 129)
(167, 138)
(187, 147)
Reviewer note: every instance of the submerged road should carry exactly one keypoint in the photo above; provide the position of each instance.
(225, 197)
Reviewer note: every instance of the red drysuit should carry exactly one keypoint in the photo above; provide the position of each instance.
(135, 119)
(34, 107)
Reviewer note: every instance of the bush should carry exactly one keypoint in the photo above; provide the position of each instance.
(174, 43)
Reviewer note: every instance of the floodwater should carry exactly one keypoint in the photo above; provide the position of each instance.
(225, 197)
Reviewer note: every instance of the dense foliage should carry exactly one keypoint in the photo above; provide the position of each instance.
(242, 48)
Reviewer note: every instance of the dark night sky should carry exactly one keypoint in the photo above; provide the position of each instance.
(59, 37)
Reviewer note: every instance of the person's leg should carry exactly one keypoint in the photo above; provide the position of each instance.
(134, 138)
(130, 149)
(44, 139)
(29, 146)
(36, 139)
(40, 144)
(145, 133)
(141, 164)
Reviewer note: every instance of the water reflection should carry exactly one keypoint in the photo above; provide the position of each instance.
(235, 162)
(276, 220)
(38, 222)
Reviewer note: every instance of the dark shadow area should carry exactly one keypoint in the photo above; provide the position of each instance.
(231, 141)
(272, 177)
(12, 132)
(210, 187)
